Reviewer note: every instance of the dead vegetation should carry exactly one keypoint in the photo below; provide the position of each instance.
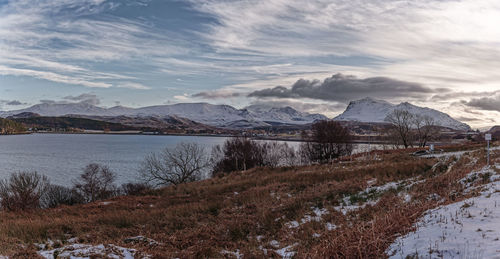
(350, 209)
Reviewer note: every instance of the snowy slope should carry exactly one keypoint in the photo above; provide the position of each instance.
(466, 229)
(371, 110)
(282, 114)
(366, 110)
(215, 115)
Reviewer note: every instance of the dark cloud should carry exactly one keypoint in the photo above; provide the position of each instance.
(344, 88)
(47, 101)
(474, 119)
(473, 112)
(484, 103)
(84, 98)
(446, 96)
(217, 94)
(15, 102)
(12, 103)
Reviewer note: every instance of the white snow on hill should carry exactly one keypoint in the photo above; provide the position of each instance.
(372, 110)
(282, 114)
(215, 115)
(466, 229)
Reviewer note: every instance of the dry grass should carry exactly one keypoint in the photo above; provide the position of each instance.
(227, 213)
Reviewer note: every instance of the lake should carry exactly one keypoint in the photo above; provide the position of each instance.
(62, 157)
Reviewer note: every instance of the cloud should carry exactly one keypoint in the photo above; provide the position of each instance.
(484, 103)
(62, 40)
(474, 119)
(15, 102)
(51, 76)
(12, 102)
(84, 98)
(46, 101)
(217, 94)
(345, 88)
(183, 97)
(132, 85)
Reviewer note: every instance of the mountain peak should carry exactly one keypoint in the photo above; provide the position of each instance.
(372, 110)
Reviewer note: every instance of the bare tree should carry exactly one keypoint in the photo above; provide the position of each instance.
(402, 121)
(237, 154)
(96, 183)
(185, 163)
(425, 128)
(329, 140)
(22, 191)
(279, 154)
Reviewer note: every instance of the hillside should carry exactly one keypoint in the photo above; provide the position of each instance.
(372, 110)
(70, 123)
(354, 209)
(165, 123)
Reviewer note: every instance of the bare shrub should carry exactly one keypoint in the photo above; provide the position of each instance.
(279, 154)
(22, 191)
(56, 195)
(328, 140)
(186, 162)
(96, 183)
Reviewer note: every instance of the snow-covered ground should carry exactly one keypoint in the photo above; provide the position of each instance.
(370, 195)
(91, 251)
(466, 229)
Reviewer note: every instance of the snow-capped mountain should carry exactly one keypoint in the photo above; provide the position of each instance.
(372, 110)
(214, 115)
(282, 114)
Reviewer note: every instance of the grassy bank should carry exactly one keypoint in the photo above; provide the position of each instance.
(347, 209)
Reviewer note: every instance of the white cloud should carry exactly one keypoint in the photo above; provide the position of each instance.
(132, 85)
(51, 77)
(183, 97)
(57, 41)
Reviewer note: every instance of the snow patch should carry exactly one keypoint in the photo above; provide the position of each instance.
(287, 252)
(92, 251)
(318, 214)
(236, 253)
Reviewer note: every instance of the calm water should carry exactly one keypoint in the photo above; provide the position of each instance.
(62, 157)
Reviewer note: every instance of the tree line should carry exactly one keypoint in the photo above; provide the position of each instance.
(8, 127)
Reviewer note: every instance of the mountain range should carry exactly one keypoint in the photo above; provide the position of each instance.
(214, 115)
(226, 116)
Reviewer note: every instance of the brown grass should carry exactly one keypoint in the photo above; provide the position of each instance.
(227, 213)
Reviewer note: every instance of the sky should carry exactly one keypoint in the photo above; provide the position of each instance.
(315, 56)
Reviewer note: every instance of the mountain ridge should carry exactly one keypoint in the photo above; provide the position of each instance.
(205, 113)
(368, 110)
